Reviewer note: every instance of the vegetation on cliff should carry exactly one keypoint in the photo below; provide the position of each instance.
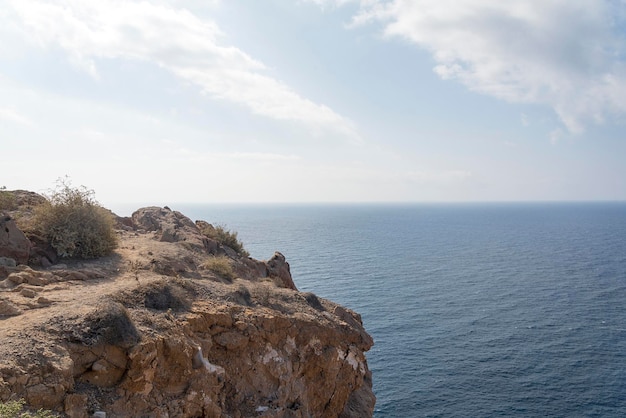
(7, 199)
(224, 236)
(15, 409)
(74, 223)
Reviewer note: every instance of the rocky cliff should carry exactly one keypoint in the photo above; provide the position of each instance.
(162, 329)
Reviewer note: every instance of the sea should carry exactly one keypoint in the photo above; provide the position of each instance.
(477, 310)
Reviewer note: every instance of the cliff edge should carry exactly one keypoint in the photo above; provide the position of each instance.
(173, 324)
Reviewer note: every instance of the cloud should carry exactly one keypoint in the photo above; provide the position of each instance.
(11, 115)
(566, 54)
(175, 39)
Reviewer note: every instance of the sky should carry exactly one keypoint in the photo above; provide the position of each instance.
(207, 101)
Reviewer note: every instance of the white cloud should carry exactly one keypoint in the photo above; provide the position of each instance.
(262, 156)
(175, 39)
(567, 54)
(11, 115)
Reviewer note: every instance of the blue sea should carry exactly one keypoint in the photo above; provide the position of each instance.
(477, 310)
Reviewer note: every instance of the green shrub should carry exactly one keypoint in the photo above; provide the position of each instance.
(7, 199)
(15, 409)
(225, 237)
(75, 224)
(220, 266)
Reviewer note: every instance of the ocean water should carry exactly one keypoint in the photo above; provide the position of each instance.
(476, 310)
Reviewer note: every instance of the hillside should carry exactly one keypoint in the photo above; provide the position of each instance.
(172, 324)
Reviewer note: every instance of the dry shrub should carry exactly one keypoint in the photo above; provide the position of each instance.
(221, 266)
(110, 324)
(75, 224)
(162, 297)
(7, 199)
(241, 295)
(225, 237)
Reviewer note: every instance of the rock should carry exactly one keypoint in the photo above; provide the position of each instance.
(361, 402)
(8, 262)
(8, 308)
(30, 277)
(41, 253)
(13, 242)
(43, 301)
(27, 200)
(231, 340)
(76, 405)
(170, 226)
(48, 388)
(277, 266)
(28, 293)
(103, 373)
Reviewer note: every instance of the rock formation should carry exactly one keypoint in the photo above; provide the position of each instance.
(153, 331)
(13, 242)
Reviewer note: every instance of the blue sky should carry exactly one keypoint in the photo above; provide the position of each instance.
(176, 101)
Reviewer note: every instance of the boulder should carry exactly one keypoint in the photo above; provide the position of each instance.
(278, 267)
(169, 225)
(41, 253)
(13, 242)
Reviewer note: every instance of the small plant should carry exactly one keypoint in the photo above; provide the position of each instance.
(7, 200)
(110, 324)
(74, 223)
(15, 409)
(220, 266)
(225, 237)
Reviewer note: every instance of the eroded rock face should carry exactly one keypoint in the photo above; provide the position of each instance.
(217, 360)
(13, 242)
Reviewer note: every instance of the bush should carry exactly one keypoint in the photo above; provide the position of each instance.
(7, 201)
(75, 224)
(164, 296)
(225, 237)
(15, 409)
(220, 266)
(110, 324)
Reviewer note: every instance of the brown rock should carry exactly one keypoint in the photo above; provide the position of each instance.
(13, 242)
(277, 266)
(41, 253)
(8, 308)
(231, 340)
(76, 405)
(28, 292)
(28, 200)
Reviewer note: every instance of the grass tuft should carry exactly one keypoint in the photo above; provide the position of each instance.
(221, 266)
(7, 201)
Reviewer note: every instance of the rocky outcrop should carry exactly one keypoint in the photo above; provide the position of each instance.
(277, 266)
(27, 200)
(150, 332)
(13, 242)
